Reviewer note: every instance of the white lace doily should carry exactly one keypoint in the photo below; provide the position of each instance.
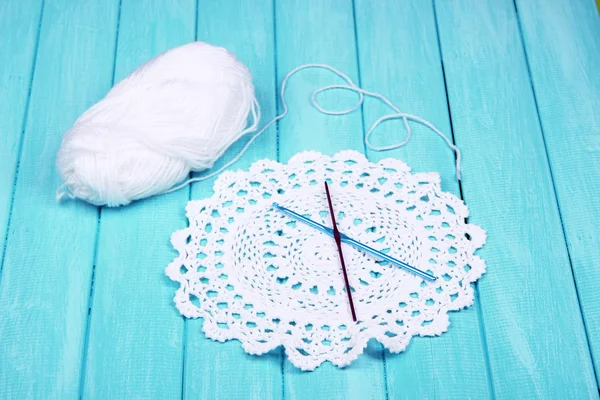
(258, 276)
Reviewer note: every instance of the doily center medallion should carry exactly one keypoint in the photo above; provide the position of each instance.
(297, 268)
(263, 278)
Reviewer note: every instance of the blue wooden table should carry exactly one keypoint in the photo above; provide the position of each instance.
(85, 308)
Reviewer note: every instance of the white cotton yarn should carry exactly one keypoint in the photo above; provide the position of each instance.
(177, 113)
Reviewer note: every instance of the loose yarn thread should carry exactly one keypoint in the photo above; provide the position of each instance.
(178, 157)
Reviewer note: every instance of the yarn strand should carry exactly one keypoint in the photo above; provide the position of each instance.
(351, 86)
(179, 113)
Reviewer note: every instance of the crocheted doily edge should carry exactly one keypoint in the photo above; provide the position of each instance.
(210, 330)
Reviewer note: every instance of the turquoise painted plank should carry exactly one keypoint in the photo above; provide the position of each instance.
(317, 32)
(563, 48)
(322, 32)
(48, 264)
(399, 57)
(19, 27)
(135, 334)
(533, 326)
(224, 370)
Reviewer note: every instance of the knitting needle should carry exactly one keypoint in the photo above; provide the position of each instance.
(338, 242)
(344, 238)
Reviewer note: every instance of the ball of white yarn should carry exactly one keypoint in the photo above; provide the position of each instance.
(177, 113)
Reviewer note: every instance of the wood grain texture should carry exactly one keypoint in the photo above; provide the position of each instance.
(322, 32)
(48, 264)
(399, 57)
(135, 334)
(524, 337)
(534, 330)
(224, 370)
(562, 40)
(19, 27)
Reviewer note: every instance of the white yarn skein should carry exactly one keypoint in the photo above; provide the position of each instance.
(179, 113)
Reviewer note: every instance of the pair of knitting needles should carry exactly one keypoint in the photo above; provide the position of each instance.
(342, 238)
